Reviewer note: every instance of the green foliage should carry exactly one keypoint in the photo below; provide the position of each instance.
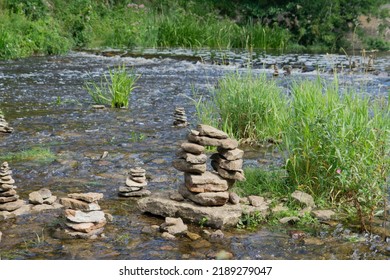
(250, 221)
(114, 89)
(38, 154)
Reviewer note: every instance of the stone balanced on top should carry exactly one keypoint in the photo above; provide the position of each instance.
(4, 127)
(9, 200)
(83, 214)
(135, 184)
(201, 186)
(180, 117)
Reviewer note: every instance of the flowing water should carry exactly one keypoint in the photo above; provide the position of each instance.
(43, 99)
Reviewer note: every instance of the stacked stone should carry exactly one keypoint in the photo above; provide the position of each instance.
(9, 200)
(43, 200)
(4, 127)
(180, 117)
(201, 186)
(83, 214)
(135, 184)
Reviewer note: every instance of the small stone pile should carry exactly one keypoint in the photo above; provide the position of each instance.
(43, 200)
(201, 186)
(4, 127)
(83, 214)
(276, 71)
(135, 184)
(9, 200)
(370, 64)
(180, 117)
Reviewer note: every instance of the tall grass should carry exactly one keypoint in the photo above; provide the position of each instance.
(115, 88)
(336, 143)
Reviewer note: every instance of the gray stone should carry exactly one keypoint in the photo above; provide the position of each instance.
(7, 181)
(228, 144)
(45, 193)
(203, 179)
(191, 158)
(9, 199)
(11, 206)
(86, 227)
(10, 192)
(35, 198)
(138, 179)
(255, 200)
(50, 200)
(137, 171)
(41, 207)
(192, 148)
(207, 188)
(218, 234)
(234, 198)
(176, 197)
(217, 217)
(131, 183)
(79, 204)
(173, 226)
(231, 165)
(129, 189)
(6, 187)
(88, 197)
(290, 220)
(207, 198)
(183, 165)
(90, 235)
(324, 215)
(1, 235)
(141, 193)
(228, 174)
(78, 216)
(168, 236)
(279, 208)
(206, 130)
(304, 198)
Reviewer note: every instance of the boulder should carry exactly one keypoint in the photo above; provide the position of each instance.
(303, 198)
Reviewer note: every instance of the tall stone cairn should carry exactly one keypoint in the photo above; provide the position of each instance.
(135, 184)
(84, 218)
(9, 200)
(201, 186)
(180, 117)
(4, 126)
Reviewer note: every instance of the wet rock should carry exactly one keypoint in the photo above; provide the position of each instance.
(192, 236)
(180, 118)
(221, 255)
(86, 227)
(218, 234)
(78, 216)
(200, 244)
(173, 226)
(314, 241)
(135, 184)
(297, 234)
(168, 236)
(324, 215)
(140, 193)
(303, 198)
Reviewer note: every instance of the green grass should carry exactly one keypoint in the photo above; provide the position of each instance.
(115, 88)
(41, 155)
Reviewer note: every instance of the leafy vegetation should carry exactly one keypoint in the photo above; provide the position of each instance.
(42, 155)
(336, 142)
(114, 88)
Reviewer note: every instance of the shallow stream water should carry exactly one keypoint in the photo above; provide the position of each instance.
(44, 100)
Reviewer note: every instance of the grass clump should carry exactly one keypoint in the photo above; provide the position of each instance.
(114, 89)
(41, 155)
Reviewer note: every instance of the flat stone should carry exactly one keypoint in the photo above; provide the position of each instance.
(191, 158)
(207, 188)
(8, 199)
(129, 189)
(88, 197)
(11, 206)
(279, 208)
(6, 187)
(137, 170)
(141, 193)
(41, 207)
(324, 215)
(168, 236)
(217, 217)
(304, 198)
(35, 198)
(10, 192)
(90, 235)
(193, 236)
(203, 179)
(184, 166)
(206, 130)
(228, 144)
(98, 107)
(78, 216)
(138, 179)
(231, 165)
(232, 175)
(192, 148)
(79, 204)
(176, 197)
(205, 199)
(6, 181)
(290, 220)
(86, 227)
(50, 200)
(26, 208)
(255, 200)
(173, 226)
(131, 183)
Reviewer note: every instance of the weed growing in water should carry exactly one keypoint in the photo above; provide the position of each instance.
(137, 136)
(41, 155)
(115, 88)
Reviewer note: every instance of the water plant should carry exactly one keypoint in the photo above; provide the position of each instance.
(38, 154)
(114, 88)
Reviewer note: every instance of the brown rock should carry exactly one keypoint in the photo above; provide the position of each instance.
(255, 200)
(228, 144)
(206, 130)
(90, 235)
(79, 204)
(203, 179)
(11, 206)
(78, 216)
(205, 199)
(183, 165)
(10, 192)
(207, 188)
(141, 193)
(45, 193)
(191, 158)
(129, 189)
(231, 165)
(8, 199)
(50, 200)
(233, 175)
(192, 148)
(88, 197)
(35, 198)
(86, 227)
(304, 198)
(132, 183)
(6, 187)
(234, 198)
(173, 226)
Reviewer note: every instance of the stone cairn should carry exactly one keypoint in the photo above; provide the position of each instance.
(9, 200)
(180, 117)
(84, 218)
(135, 184)
(43, 200)
(4, 127)
(201, 186)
